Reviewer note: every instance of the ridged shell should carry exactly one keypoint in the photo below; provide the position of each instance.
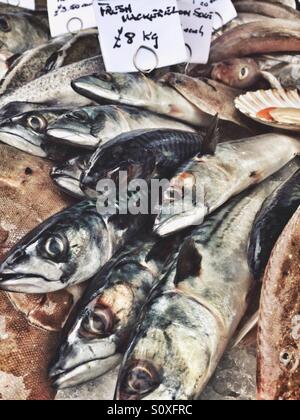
(253, 102)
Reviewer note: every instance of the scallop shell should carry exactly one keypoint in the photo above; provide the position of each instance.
(253, 102)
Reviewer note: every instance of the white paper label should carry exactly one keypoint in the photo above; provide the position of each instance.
(224, 12)
(140, 34)
(70, 16)
(27, 4)
(197, 20)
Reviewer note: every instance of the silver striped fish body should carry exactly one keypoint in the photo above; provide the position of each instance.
(94, 126)
(234, 167)
(140, 91)
(55, 87)
(194, 312)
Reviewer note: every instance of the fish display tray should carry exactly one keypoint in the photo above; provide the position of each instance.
(253, 102)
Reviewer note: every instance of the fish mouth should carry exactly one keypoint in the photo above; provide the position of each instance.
(68, 184)
(178, 223)
(83, 373)
(77, 138)
(22, 283)
(96, 88)
(11, 138)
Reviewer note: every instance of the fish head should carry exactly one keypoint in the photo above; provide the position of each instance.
(62, 251)
(169, 356)
(67, 175)
(79, 127)
(183, 205)
(113, 87)
(113, 159)
(27, 131)
(96, 340)
(89, 349)
(239, 73)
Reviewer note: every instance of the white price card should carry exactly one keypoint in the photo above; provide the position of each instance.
(70, 16)
(197, 20)
(27, 4)
(139, 35)
(224, 12)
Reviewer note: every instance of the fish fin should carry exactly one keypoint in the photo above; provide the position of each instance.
(189, 261)
(274, 82)
(246, 329)
(212, 137)
(12, 60)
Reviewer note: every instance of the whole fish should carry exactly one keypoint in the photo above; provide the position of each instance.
(140, 91)
(210, 181)
(67, 175)
(20, 32)
(143, 154)
(279, 326)
(67, 249)
(196, 308)
(94, 342)
(94, 126)
(262, 37)
(30, 65)
(269, 223)
(54, 87)
(82, 46)
(266, 8)
(28, 132)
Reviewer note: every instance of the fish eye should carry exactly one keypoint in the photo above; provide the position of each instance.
(4, 24)
(141, 378)
(289, 360)
(78, 115)
(54, 248)
(97, 324)
(244, 73)
(105, 77)
(37, 123)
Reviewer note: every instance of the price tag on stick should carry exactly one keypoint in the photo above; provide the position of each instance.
(70, 16)
(197, 20)
(27, 4)
(140, 35)
(224, 12)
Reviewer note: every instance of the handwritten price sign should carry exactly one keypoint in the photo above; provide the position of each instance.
(197, 19)
(27, 4)
(70, 16)
(140, 34)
